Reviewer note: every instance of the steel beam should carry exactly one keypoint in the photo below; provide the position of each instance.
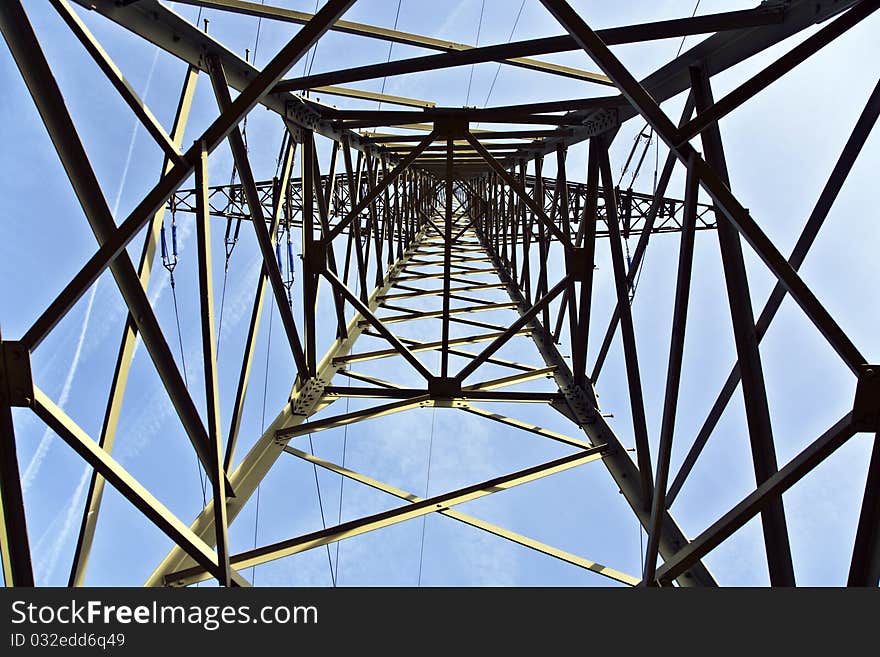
(770, 490)
(95, 493)
(256, 313)
(15, 551)
(114, 75)
(580, 406)
(383, 33)
(673, 373)
(506, 52)
(242, 165)
(305, 398)
(252, 93)
(627, 332)
(647, 106)
(128, 486)
(830, 191)
(519, 539)
(209, 358)
(397, 515)
(47, 96)
(865, 566)
(754, 389)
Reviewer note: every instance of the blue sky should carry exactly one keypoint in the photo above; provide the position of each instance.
(780, 148)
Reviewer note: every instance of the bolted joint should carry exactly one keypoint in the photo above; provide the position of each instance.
(307, 395)
(295, 130)
(316, 257)
(866, 407)
(576, 264)
(16, 382)
(444, 387)
(452, 127)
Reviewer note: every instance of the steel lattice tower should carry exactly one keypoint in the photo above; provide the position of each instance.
(443, 223)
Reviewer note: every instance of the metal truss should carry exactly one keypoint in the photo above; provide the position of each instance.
(634, 208)
(447, 225)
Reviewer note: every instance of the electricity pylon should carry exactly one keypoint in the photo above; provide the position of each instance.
(443, 224)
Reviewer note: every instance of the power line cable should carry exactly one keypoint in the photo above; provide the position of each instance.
(344, 450)
(321, 507)
(479, 29)
(498, 69)
(427, 488)
(390, 48)
(649, 140)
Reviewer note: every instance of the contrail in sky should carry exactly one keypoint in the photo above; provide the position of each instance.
(47, 564)
(33, 466)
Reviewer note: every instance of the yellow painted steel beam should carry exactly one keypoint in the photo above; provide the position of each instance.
(366, 378)
(422, 346)
(117, 79)
(422, 127)
(463, 288)
(348, 92)
(421, 314)
(525, 426)
(470, 520)
(470, 272)
(513, 379)
(376, 521)
(91, 510)
(386, 34)
(305, 400)
(359, 415)
(128, 486)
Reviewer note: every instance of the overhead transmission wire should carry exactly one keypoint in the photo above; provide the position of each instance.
(169, 261)
(344, 450)
(479, 29)
(307, 70)
(231, 237)
(321, 507)
(335, 561)
(390, 48)
(427, 489)
(638, 277)
(427, 483)
(266, 374)
(498, 69)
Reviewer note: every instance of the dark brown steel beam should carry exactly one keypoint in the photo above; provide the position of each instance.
(830, 191)
(402, 166)
(46, 94)
(547, 45)
(772, 489)
(865, 567)
(627, 330)
(673, 373)
(711, 182)
(242, 165)
(15, 551)
(754, 387)
(252, 94)
(797, 55)
(250, 344)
